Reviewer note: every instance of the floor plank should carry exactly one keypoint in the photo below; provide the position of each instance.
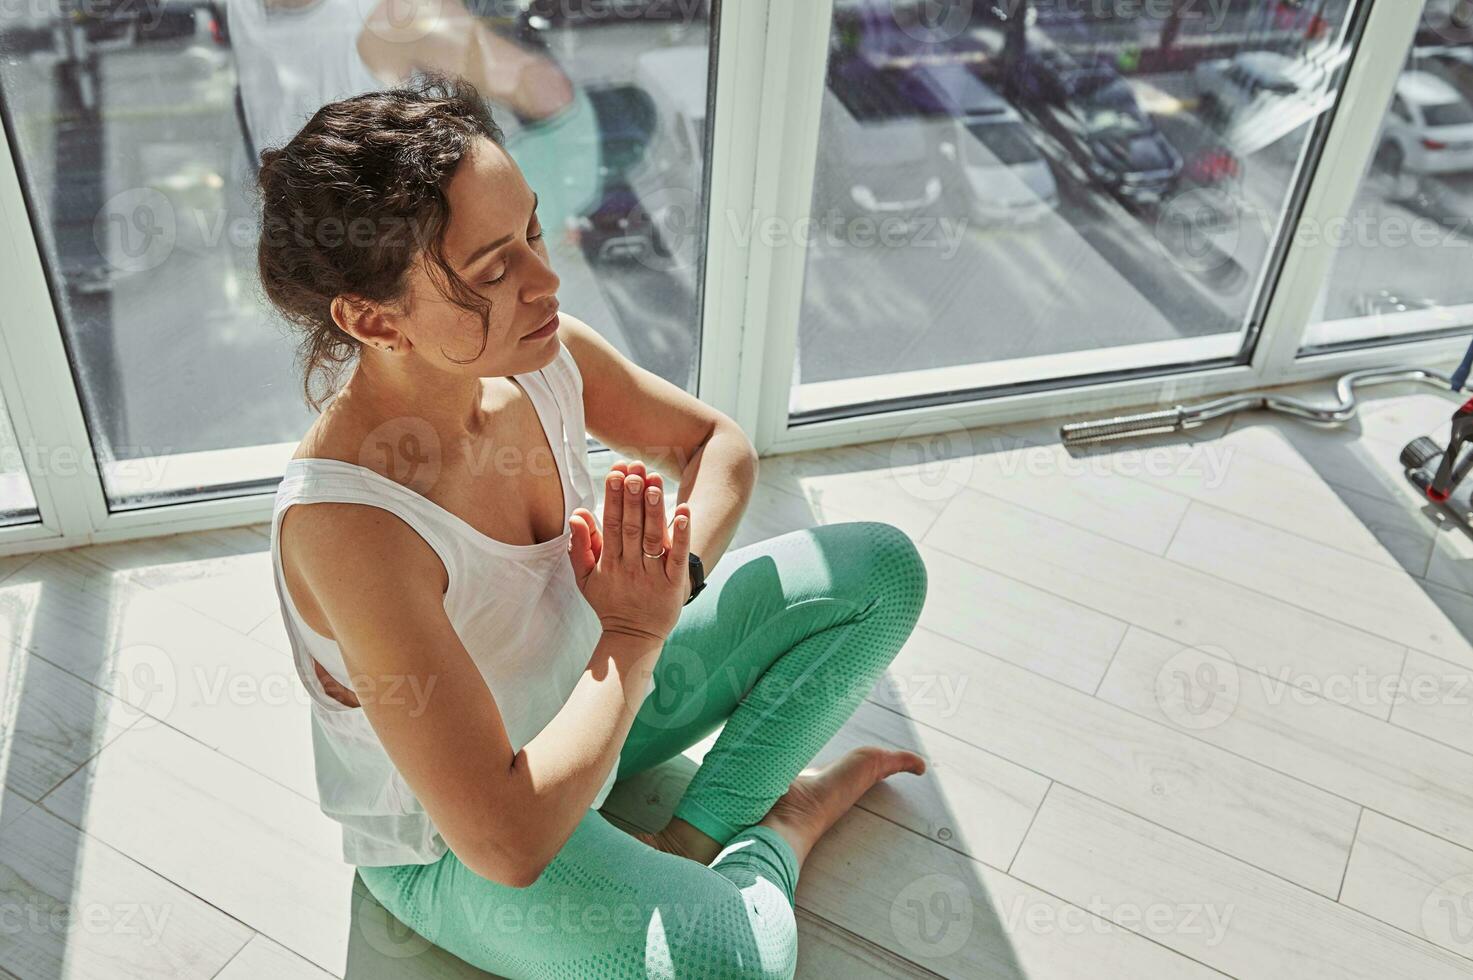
(1238, 806)
(1023, 625)
(1436, 700)
(53, 722)
(1191, 606)
(263, 958)
(1412, 880)
(229, 835)
(225, 574)
(1359, 758)
(1368, 595)
(960, 918)
(80, 910)
(172, 664)
(1211, 907)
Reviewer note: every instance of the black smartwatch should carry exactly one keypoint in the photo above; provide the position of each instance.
(697, 576)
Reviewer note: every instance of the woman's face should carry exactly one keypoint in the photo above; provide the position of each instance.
(494, 241)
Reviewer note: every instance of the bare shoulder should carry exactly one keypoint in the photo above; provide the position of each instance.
(356, 559)
(589, 349)
(363, 545)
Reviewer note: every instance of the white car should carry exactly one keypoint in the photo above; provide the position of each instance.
(1261, 96)
(1429, 128)
(1004, 176)
(1008, 178)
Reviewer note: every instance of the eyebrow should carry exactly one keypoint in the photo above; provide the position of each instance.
(490, 247)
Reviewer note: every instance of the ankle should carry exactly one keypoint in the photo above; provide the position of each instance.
(691, 842)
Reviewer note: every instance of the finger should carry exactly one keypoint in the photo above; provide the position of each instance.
(669, 514)
(654, 520)
(675, 561)
(637, 466)
(595, 536)
(633, 526)
(613, 517)
(579, 546)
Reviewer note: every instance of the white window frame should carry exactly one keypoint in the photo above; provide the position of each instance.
(770, 57)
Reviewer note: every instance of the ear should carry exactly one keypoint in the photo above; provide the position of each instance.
(367, 321)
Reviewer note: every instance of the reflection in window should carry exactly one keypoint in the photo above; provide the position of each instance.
(1401, 259)
(1012, 193)
(137, 131)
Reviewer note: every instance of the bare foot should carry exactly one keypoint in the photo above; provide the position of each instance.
(816, 801)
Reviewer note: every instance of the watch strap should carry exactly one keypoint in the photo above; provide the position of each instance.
(697, 576)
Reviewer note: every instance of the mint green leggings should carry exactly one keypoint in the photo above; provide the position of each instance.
(789, 636)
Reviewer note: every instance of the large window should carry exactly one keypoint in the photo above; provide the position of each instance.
(1403, 253)
(1012, 193)
(136, 129)
(835, 221)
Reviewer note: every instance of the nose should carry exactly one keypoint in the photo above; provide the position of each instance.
(541, 281)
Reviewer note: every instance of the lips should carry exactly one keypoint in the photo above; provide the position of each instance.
(550, 317)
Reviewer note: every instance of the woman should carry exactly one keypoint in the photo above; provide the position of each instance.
(479, 652)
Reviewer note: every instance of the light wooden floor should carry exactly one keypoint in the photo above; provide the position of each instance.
(1199, 705)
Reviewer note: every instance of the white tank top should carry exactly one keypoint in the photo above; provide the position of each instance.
(516, 608)
(292, 62)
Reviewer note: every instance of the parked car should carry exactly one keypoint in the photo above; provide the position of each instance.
(618, 228)
(1094, 115)
(1050, 76)
(1261, 96)
(1428, 129)
(1452, 63)
(1003, 174)
(877, 157)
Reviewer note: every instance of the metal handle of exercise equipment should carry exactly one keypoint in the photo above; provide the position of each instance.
(1182, 417)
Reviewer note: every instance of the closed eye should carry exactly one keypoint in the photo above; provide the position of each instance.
(530, 238)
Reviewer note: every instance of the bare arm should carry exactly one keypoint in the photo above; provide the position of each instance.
(504, 814)
(643, 416)
(727, 468)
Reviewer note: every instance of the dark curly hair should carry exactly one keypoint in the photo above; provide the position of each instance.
(353, 199)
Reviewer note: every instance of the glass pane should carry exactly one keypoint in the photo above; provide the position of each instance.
(1401, 257)
(1016, 193)
(137, 128)
(17, 502)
